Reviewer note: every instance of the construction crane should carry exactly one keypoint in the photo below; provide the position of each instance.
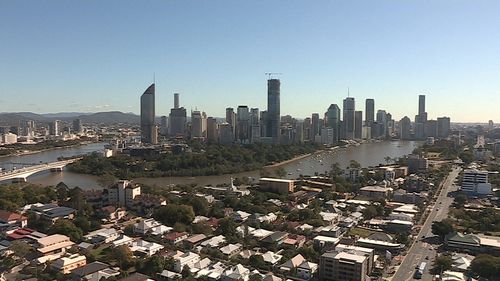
(271, 74)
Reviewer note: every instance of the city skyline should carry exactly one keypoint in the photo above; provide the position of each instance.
(386, 51)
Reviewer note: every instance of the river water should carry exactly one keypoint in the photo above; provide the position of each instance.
(367, 154)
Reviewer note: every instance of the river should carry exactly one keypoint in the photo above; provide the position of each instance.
(367, 154)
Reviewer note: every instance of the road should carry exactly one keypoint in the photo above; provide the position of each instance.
(424, 247)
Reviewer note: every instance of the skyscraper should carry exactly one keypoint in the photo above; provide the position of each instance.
(333, 120)
(382, 121)
(176, 100)
(231, 119)
(315, 127)
(77, 126)
(148, 129)
(273, 109)
(348, 117)
(369, 111)
(443, 127)
(212, 132)
(404, 128)
(243, 127)
(358, 124)
(421, 104)
(198, 124)
(177, 119)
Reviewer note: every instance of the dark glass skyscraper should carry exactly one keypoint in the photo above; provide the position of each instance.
(148, 127)
(369, 111)
(333, 120)
(421, 104)
(273, 109)
(348, 117)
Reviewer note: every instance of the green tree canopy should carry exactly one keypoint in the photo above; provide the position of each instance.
(174, 213)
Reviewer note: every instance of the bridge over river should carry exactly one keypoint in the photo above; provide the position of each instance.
(21, 175)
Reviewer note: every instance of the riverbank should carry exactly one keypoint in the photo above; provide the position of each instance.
(31, 152)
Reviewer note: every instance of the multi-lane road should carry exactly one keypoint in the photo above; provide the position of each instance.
(424, 247)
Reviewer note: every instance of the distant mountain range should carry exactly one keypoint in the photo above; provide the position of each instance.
(111, 117)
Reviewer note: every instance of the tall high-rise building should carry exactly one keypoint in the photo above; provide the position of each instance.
(77, 126)
(212, 130)
(177, 119)
(422, 115)
(430, 128)
(443, 127)
(198, 124)
(163, 125)
(54, 129)
(176, 100)
(405, 128)
(382, 121)
(333, 120)
(358, 124)
(273, 109)
(369, 111)
(255, 130)
(243, 124)
(315, 126)
(421, 104)
(231, 119)
(348, 117)
(307, 128)
(148, 127)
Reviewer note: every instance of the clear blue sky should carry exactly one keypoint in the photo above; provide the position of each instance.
(101, 55)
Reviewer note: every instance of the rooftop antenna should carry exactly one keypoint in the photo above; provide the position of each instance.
(348, 93)
(271, 74)
(154, 78)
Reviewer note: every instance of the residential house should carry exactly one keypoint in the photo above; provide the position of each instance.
(175, 237)
(145, 248)
(52, 247)
(112, 213)
(306, 270)
(9, 220)
(194, 240)
(276, 238)
(66, 264)
(187, 259)
(236, 273)
(230, 250)
(53, 212)
(103, 235)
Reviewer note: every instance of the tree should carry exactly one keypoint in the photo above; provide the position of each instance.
(370, 212)
(486, 266)
(173, 213)
(20, 248)
(68, 228)
(353, 164)
(442, 228)
(62, 192)
(122, 255)
(255, 277)
(227, 227)
(83, 223)
(443, 263)
(257, 261)
(280, 172)
(153, 265)
(460, 200)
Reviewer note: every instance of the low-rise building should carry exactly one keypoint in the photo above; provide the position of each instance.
(52, 247)
(187, 259)
(9, 220)
(281, 186)
(337, 266)
(103, 235)
(376, 192)
(145, 248)
(66, 264)
(231, 249)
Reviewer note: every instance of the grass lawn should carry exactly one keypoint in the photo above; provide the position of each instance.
(361, 232)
